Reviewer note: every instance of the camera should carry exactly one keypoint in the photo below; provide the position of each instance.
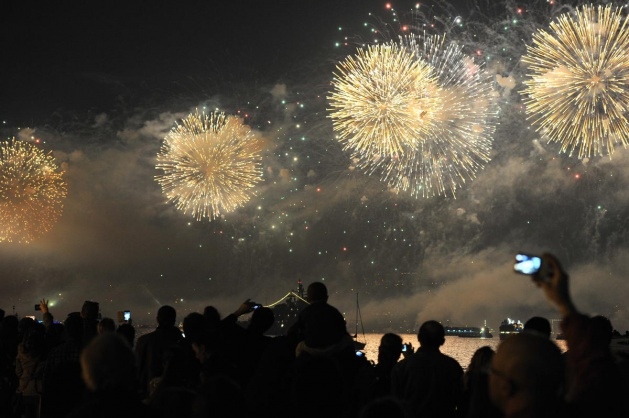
(527, 264)
(37, 307)
(124, 316)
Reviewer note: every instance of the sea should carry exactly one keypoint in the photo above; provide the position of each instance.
(461, 349)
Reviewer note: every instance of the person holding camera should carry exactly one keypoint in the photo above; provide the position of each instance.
(595, 383)
(429, 382)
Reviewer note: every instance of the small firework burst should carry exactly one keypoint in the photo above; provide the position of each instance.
(32, 191)
(210, 164)
(578, 90)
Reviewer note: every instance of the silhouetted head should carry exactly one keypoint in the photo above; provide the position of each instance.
(73, 327)
(35, 339)
(261, 320)
(10, 326)
(108, 365)
(193, 324)
(390, 347)
(128, 332)
(90, 310)
(481, 360)
(212, 315)
(24, 325)
(431, 334)
(166, 316)
(602, 330)
(538, 325)
(317, 292)
(106, 325)
(526, 369)
(387, 406)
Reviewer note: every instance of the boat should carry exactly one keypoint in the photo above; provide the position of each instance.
(468, 332)
(359, 345)
(510, 326)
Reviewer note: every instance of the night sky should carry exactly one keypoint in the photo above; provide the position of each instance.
(101, 83)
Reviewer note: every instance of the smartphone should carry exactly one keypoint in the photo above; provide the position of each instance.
(37, 307)
(126, 315)
(256, 306)
(404, 348)
(360, 354)
(527, 264)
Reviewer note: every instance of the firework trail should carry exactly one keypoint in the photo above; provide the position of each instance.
(419, 112)
(578, 90)
(32, 191)
(210, 164)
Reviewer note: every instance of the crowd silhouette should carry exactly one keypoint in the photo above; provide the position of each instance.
(90, 367)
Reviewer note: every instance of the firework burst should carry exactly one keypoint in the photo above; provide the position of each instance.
(578, 90)
(418, 112)
(32, 191)
(210, 164)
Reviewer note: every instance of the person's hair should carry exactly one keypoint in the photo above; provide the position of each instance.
(90, 309)
(431, 334)
(73, 326)
(166, 315)
(108, 365)
(481, 360)
(106, 325)
(35, 339)
(212, 315)
(128, 332)
(602, 330)
(262, 319)
(390, 348)
(539, 325)
(193, 324)
(534, 365)
(316, 292)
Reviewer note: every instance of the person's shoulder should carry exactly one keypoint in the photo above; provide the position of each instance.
(452, 362)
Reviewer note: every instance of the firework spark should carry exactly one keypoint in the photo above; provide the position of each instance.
(578, 90)
(418, 111)
(32, 191)
(210, 164)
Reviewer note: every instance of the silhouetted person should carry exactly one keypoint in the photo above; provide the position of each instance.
(320, 324)
(150, 347)
(389, 352)
(110, 375)
(128, 332)
(476, 402)
(89, 313)
(63, 387)
(326, 363)
(212, 315)
(526, 377)
(106, 325)
(539, 325)
(428, 382)
(595, 380)
(382, 407)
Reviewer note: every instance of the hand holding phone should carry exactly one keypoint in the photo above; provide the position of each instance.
(527, 264)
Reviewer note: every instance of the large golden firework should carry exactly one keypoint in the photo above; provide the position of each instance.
(419, 112)
(578, 90)
(32, 191)
(210, 164)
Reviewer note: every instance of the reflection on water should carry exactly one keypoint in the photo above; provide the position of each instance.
(461, 349)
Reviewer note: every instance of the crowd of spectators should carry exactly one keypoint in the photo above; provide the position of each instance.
(214, 367)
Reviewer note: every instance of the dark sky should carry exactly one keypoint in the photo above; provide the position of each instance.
(101, 83)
